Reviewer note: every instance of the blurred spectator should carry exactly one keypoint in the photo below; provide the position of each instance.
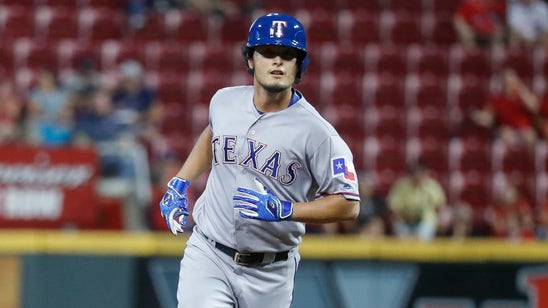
(457, 221)
(82, 85)
(528, 23)
(415, 200)
(50, 118)
(541, 118)
(11, 112)
(480, 23)
(136, 106)
(97, 122)
(509, 111)
(510, 216)
(541, 229)
(374, 218)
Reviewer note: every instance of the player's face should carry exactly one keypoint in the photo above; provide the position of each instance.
(275, 67)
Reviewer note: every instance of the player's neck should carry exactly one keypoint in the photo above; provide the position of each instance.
(266, 101)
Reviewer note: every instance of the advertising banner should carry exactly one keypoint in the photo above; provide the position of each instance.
(47, 187)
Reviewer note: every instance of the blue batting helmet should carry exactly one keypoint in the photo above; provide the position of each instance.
(279, 29)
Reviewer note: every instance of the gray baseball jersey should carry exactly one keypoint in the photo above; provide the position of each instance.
(295, 152)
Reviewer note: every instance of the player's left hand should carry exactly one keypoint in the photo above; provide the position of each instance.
(174, 205)
(261, 204)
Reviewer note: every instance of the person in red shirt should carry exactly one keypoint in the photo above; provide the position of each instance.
(480, 23)
(510, 111)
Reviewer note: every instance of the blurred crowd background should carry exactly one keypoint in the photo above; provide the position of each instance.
(444, 103)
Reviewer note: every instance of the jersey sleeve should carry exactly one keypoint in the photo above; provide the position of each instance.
(332, 166)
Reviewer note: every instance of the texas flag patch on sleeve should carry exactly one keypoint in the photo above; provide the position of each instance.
(343, 167)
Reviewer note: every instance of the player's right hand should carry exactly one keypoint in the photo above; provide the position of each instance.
(174, 205)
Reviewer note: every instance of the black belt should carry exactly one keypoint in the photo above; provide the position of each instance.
(252, 258)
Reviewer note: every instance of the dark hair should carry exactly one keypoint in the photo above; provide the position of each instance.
(247, 53)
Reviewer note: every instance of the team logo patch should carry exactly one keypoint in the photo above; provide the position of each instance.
(341, 167)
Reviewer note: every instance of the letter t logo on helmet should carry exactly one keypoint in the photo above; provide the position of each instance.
(277, 29)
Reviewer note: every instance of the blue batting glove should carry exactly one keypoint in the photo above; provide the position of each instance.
(261, 204)
(174, 205)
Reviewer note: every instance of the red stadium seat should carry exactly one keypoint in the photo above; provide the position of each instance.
(473, 188)
(35, 55)
(475, 62)
(372, 6)
(172, 58)
(384, 90)
(520, 61)
(72, 52)
(341, 88)
(324, 25)
(343, 59)
(231, 29)
(429, 122)
(119, 5)
(439, 30)
(434, 152)
(286, 6)
(386, 122)
(470, 154)
(409, 6)
(62, 4)
(19, 22)
(513, 159)
(7, 59)
(187, 26)
(114, 52)
(426, 91)
(386, 59)
(401, 28)
(363, 27)
(102, 24)
(154, 29)
(429, 60)
(61, 24)
(324, 5)
(215, 56)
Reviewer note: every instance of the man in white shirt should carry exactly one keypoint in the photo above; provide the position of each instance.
(528, 23)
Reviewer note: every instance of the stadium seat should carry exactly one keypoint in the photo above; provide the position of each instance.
(186, 26)
(324, 23)
(428, 60)
(434, 152)
(119, 5)
(408, 6)
(429, 122)
(442, 7)
(372, 6)
(540, 62)
(470, 154)
(61, 23)
(115, 52)
(426, 91)
(341, 88)
(362, 27)
(512, 159)
(19, 22)
(386, 122)
(384, 90)
(100, 24)
(230, 29)
(473, 188)
(36, 55)
(169, 58)
(400, 28)
(287, 6)
(7, 62)
(520, 61)
(154, 29)
(343, 59)
(324, 5)
(72, 52)
(223, 58)
(438, 29)
(386, 59)
(386, 159)
(475, 62)
(62, 4)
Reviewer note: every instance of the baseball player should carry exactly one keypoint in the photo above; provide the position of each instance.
(275, 164)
